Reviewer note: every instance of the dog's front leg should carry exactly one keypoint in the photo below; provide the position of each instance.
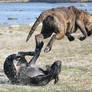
(82, 29)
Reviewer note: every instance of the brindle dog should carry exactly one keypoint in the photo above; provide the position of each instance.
(62, 21)
(29, 73)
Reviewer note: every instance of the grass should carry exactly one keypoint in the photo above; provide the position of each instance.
(79, 68)
(76, 57)
(15, 88)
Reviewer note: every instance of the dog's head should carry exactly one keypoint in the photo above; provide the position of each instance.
(89, 22)
(55, 70)
(56, 66)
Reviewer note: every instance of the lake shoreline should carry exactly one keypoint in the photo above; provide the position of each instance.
(17, 25)
(26, 13)
(45, 1)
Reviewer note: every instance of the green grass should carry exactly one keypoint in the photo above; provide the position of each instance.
(72, 78)
(49, 88)
(78, 68)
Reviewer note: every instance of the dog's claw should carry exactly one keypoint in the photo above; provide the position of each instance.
(47, 49)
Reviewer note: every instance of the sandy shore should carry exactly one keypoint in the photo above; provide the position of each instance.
(76, 57)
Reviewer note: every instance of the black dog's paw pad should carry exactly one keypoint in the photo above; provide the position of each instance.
(71, 38)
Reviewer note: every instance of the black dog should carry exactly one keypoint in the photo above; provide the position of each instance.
(29, 74)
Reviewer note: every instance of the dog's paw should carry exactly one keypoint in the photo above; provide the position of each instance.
(89, 33)
(47, 49)
(82, 38)
(71, 38)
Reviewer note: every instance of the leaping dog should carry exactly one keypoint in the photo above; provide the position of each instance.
(62, 21)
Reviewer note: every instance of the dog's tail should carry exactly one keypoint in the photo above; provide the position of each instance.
(37, 22)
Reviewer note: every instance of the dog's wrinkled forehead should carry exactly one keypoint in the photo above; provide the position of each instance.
(89, 23)
(90, 18)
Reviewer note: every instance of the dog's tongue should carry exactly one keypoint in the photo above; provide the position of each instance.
(16, 67)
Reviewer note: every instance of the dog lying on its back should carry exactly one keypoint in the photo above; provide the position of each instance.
(62, 21)
(29, 73)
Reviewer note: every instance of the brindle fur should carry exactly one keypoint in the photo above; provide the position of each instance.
(61, 21)
(57, 20)
(83, 21)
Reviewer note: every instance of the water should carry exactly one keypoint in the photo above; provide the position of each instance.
(26, 13)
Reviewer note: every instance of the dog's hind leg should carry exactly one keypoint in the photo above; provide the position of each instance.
(38, 40)
(50, 43)
(58, 36)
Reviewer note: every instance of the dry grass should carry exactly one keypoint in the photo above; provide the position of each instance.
(76, 57)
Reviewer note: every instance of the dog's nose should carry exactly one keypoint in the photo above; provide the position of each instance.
(58, 62)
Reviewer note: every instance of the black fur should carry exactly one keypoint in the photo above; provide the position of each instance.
(29, 73)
